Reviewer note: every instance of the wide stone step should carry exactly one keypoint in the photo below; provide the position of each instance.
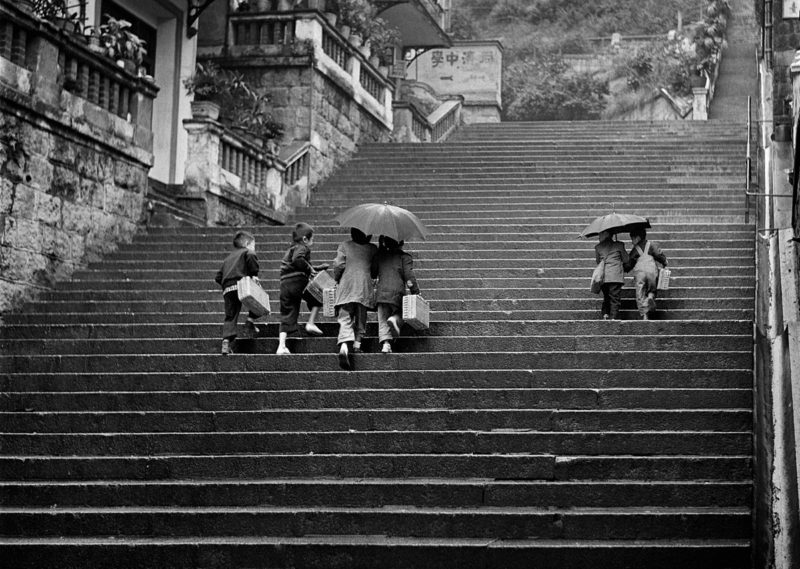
(443, 398)
(410, 344)
(713, 419)
(367, 552)
(632, 359)
(495, 260)
(357, 492)
(399, 441)
(708, 278)
(487, 522)
(567, 230)
(424, 272)
(564, 314)
(453, 328)
(311, 380)
(504, 467)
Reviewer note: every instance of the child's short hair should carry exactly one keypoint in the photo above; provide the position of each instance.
(242, 238)
(302, 230)
(639, 232)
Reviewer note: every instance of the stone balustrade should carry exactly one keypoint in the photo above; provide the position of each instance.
(230, 180)
(411, 125)
(309, 34)
(75, 150)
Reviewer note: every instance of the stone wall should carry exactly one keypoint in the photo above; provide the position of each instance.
(72, 175)
(340, 125)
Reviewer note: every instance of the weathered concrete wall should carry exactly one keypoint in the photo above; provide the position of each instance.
(72, 176)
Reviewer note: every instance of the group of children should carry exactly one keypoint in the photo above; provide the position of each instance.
(357, 264)
(618, 261)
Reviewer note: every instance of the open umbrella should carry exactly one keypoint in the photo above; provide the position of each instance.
(383, 219)
(615, 223)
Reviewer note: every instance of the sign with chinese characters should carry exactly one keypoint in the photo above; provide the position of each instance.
(472, 69)
(791, 9)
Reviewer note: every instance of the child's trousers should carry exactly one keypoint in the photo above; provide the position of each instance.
(293, 292)
(644, 287)
(232, 308)
(384, 312)
(612, 295)
(352, 318)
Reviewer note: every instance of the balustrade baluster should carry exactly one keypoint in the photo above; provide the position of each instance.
(105, 91)
(94, 86)
(124, 102)
(83, 80)
(19, 47)
(6, 39)
(113, 103)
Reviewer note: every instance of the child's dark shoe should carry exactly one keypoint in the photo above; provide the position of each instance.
(226, 348)
(251, 329)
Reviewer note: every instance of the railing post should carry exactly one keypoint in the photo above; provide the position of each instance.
(700, 104)
(43, 60)
(202, 172)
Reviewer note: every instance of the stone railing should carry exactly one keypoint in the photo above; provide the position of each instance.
(230, 180)
(83, 73)
(308, 33)
(702, 96)
(413, 126)
(75, 150)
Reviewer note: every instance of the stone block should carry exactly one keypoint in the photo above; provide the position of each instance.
(76, 219)
(48, 209)
(13, 295)
(21, 233)
(63, 151)
(40, 170)
(36, 140)
(77, 247)
(98, 118)
(66, 182)
(127, 175)
(23, 201)
(114, 200)
(6, 195)
(55, 243)
(90, 194)
(279, 97)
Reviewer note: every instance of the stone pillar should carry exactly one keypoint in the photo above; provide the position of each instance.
(700, 104)
(202, 171)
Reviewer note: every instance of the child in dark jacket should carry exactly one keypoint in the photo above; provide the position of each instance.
(394, 269)
(242, 262)
(614, 254)
(296, 269)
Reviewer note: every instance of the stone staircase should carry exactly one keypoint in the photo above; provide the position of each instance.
(519, 431)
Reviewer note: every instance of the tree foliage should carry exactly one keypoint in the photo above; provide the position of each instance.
(544, 89)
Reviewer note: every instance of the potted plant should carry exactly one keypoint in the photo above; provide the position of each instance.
(121, 44)
(383, 40)
(243, 6)
(207, 85)
(356, 16)
(92, 35)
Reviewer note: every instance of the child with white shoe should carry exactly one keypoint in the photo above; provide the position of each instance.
(296, 269)
(394, 269)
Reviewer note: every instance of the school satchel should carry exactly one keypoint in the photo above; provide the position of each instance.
(663, 279)
(598, 277)
(319, 283)
(329, 301)
(254, 298)
(416, 312)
